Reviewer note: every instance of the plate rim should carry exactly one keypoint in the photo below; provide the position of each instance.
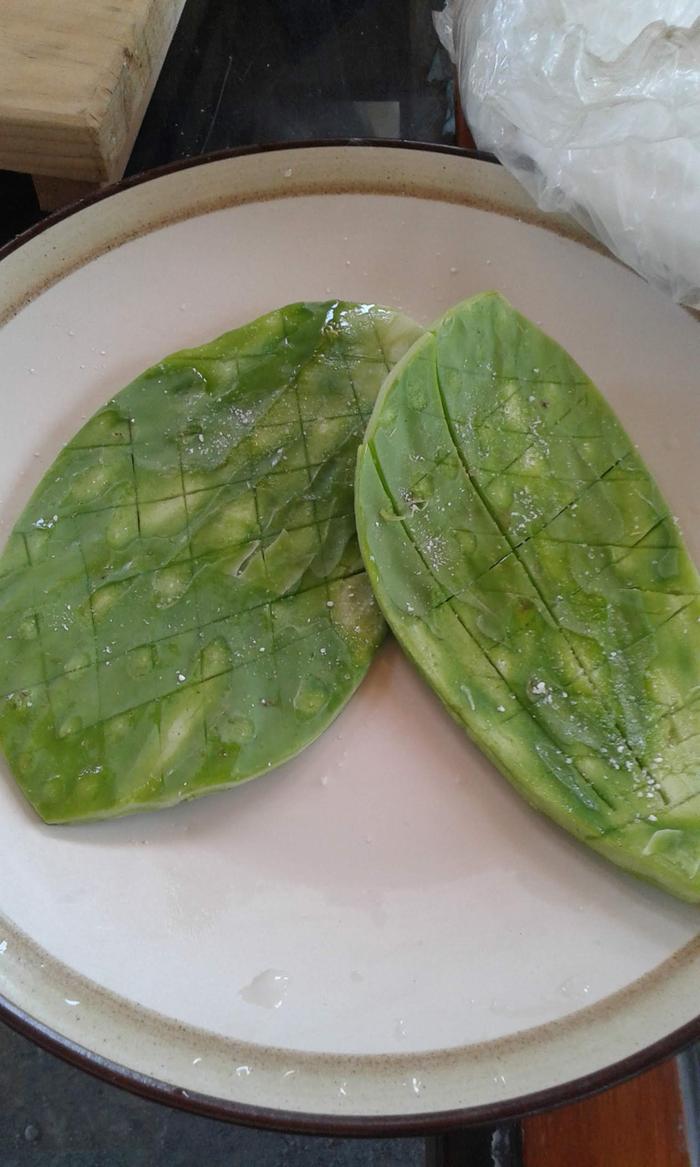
(113, 188)
(363, 1126)
(271, 1118)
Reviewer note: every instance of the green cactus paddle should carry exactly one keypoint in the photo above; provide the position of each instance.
(526, 561)
(182, 603)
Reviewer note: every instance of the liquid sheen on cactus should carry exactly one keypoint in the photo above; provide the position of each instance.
(182, 603)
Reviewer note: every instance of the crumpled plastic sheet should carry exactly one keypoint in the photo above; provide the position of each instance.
(595, 107)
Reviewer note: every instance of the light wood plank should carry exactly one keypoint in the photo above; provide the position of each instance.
(75, 79)
(53, 193)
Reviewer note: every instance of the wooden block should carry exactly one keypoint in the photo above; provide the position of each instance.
(637, 1124)
(75, 79)
(53, 193)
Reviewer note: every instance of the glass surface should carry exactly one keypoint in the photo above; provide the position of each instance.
(289, 70)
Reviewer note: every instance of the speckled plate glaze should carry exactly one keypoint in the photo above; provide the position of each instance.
(381, 935)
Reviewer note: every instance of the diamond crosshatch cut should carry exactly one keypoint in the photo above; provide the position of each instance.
(168, 614)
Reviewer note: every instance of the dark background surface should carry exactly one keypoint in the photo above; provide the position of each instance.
(53, 1115)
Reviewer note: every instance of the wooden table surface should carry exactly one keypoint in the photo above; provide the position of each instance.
(637, 1124)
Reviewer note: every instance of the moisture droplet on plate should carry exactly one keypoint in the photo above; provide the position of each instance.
(400, 1029)
(70, 1001)
(288, 173)
(267, 990)
(243, 1071)
(3, 947)
(574, 987)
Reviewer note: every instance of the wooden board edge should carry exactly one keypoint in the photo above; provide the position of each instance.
(93, 144)
(138, 69)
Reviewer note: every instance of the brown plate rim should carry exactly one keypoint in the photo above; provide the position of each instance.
(113, 188)
(362, 1126)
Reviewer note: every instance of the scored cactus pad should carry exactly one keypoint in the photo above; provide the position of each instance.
(182, 603)
(527, 562)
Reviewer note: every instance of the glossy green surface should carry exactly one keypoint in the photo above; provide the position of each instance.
(526, 561)
(182, 603)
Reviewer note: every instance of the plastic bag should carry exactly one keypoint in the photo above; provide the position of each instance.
(595, 107)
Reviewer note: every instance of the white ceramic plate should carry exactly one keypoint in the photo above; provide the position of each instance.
(381, 934)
